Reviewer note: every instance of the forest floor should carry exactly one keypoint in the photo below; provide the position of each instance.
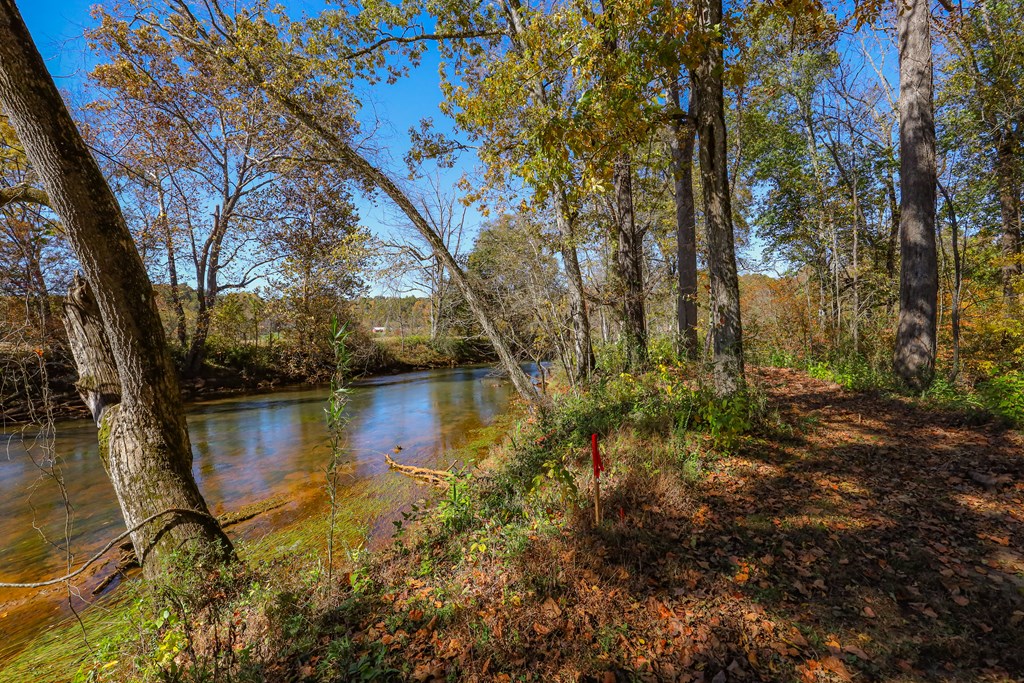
(847, 537)
(874, 540)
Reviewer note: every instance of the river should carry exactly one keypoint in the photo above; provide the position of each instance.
(246, 449)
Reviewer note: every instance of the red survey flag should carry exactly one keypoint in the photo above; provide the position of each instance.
(595, 455)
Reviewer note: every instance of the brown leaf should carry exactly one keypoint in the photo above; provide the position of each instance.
(541, 629)
(857, 652)
(833, 664)
(551, 608)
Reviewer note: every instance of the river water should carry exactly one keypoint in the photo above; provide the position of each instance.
(246, 449)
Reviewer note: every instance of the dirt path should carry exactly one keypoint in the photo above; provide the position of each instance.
(880, 542)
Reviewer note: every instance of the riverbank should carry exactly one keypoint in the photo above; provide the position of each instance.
(816, 534)
(246, 450)
(38, 386)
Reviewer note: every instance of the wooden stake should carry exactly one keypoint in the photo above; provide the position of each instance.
(595, 455)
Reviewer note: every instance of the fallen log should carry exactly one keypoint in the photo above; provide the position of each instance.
(438, 478)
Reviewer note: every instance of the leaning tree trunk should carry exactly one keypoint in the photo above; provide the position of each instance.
(681, 142)
(709, 109)
(342, 152)
(126, 373)
(629, 265)
(914, 357)
(375, 177)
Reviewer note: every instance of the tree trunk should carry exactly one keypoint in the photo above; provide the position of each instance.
(172, 273)
(629, 265)
(958, 280)
(709, 108)
(914, 357)
(1008, 179)
(144, 435)
(681, 142)
(584, 361)
(894, 227)
(579, 317)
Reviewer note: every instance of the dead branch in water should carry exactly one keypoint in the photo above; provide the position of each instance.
(437, 478)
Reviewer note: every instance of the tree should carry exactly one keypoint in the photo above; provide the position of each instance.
(987, 98)
(514, 112)
(681, 134)
(126, 374)
(709, 113)
(914, 358)
(305, 79)
(205, 152)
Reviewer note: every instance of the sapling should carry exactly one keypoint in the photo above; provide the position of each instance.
(337, 419)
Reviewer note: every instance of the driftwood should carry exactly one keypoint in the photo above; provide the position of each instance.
(438, 478)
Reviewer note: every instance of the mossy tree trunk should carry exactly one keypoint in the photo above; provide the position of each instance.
(127, 377)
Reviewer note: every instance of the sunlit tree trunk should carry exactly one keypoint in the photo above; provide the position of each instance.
(126, 374)
(709, 109)
(583, 349)
(914, 357)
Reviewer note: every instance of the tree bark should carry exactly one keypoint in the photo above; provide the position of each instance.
(1008, 179)
(144, 436)
(629, 265)
(681, 142)
(709, 108)
(914, 357)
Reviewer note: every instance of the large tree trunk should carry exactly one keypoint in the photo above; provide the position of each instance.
(709, 108)
(681, 143)
(1008, 177)
(143, 436)
(629, 265)
(914, 357)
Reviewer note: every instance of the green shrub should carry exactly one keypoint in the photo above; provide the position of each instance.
(1004, 395)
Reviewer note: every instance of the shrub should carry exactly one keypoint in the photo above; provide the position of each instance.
(1003, 394)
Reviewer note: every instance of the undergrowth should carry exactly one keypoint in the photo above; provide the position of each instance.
(995, 390)
(273, 620)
